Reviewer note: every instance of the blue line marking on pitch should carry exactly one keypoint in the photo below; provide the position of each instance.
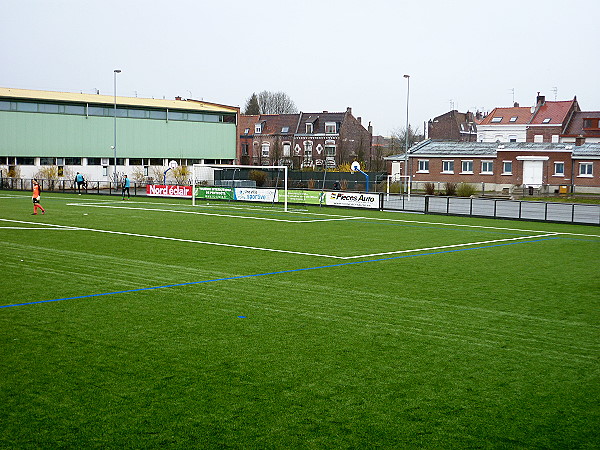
(240, 277)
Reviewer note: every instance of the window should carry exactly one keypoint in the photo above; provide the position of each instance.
(538, 138)
(309, 128)
(487, 167)
(555, 138)
(330, 127)
(136, 162)
(512, 138)
(587, 123)
(155, 114)
(27, 107)
(585, 169)
(547, 120)
(48, 108)
(93, 161)
(156, 161)
(265, 149)
(330, 150)
(244, 149)
(258, 128)
(496, 119)
(25, 161)
(247, 131)
(467, 167)
(285, 129)
(46, 161)
(423, 166)
(447, 166)
(513, 119)
(559, 168)
(72, 161)
(506, 168)
(287, 149)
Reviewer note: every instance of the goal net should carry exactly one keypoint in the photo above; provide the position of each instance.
(226, 182)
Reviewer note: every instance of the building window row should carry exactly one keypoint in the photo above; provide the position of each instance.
(77, 161)
(106, 111)
(586, 169)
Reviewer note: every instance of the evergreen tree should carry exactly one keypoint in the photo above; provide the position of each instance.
(252, 107)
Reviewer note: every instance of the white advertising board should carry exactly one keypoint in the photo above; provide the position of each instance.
(352, 199)
(256, 195)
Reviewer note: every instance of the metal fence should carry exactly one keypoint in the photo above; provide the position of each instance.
(68, 186)
(495, 208)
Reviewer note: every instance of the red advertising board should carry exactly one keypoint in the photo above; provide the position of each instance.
(159, 190)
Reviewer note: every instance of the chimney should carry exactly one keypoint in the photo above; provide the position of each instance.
(359, 119)
(324, 112)
(579, 140)
(370, 128)
(348, 110)
(541, 99)
(516, 104)
(178, 98)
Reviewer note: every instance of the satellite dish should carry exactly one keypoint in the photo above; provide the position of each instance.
(355, 166)
(173, 164)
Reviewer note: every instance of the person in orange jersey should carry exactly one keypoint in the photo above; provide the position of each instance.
(36, 197)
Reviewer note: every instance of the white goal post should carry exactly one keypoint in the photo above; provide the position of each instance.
(203, 175)
(395, 178)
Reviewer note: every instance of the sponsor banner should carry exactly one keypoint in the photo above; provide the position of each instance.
(214, 193)
(352, 199)
(306, 197)
(159, 190)
(256, 195)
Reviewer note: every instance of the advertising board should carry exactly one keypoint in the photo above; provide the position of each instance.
(352, 199)
(214, 193)
(160, 190)
(256, 195)
(306, 197)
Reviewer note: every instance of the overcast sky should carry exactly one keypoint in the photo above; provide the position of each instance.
(325, 54)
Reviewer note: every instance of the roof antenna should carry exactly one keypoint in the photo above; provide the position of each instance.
(555, 90)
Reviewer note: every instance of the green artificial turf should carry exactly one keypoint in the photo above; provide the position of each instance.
(157, 338)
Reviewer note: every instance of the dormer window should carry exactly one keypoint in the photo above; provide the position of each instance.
(496, 119)
(513, 119)
(309, 128)
(247, 130)
(330, 127)
(547, 120)
(285, 129)
(258, 127)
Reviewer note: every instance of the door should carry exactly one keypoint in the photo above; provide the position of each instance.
(532, 173)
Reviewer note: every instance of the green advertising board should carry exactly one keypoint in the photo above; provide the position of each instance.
(214, 193)
(307, 197)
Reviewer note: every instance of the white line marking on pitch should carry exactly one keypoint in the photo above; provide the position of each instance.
(220, 244)
(272, 219)
(450, 246)
(247, 247)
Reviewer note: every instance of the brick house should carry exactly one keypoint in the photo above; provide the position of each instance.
(506, 167)
(316, 140)
(453, 126)
(583, 127)
(543, 122)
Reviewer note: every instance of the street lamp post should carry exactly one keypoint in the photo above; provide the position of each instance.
(115, 72)
(406, 131)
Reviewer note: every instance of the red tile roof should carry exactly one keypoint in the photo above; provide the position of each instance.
(555, 111)
(522, 114)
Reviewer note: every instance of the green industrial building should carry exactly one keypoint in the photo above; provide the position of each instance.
(77, 133)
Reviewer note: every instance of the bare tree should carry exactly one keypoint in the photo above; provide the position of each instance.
(399, 136)
(276, 103)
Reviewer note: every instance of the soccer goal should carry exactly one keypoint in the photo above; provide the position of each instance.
(227, 182)
(399, 178)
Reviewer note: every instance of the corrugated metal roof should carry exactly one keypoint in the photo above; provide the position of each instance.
(26, 94)
(445, 148)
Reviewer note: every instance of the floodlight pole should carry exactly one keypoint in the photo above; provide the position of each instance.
(407, 125)
(115, 72)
